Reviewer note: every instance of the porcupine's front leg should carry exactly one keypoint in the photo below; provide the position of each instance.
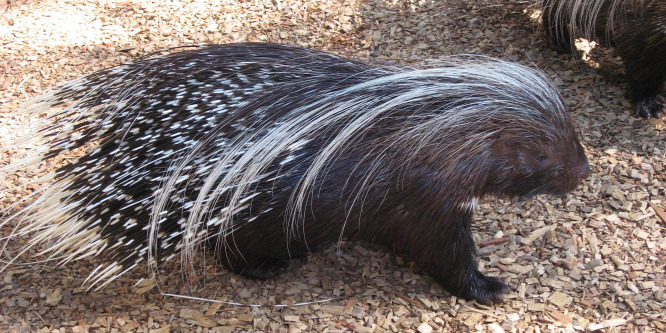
(641, 42)
(444, 248)
(456, 268)
(647, 75)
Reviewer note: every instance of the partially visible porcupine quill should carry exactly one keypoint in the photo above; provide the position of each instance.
(265, 152)
(635, 28)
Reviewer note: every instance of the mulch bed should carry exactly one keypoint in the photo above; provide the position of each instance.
(591, 261)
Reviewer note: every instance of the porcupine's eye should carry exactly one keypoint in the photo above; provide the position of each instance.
(541, 158)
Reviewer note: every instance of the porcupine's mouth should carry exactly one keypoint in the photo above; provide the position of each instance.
(557, 189)
(529, 196)
(519, 194)
(577, 175)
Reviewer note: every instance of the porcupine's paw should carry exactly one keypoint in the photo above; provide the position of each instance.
(485, 289)
(264, 269)
(650, 107)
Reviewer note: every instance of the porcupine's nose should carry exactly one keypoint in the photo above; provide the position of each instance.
(583, 170)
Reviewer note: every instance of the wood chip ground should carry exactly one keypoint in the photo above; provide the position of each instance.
(592, 261)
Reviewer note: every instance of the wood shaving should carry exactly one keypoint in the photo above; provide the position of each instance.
(590, 261)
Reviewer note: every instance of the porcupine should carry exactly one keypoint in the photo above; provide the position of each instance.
(635, 28)
(266, 152)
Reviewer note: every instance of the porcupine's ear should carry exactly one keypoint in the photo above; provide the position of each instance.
(504, 146)
(515, 151)
(503, 156)
(514, 154)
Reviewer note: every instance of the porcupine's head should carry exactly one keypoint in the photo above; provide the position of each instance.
(537, 156)
(536, 149)
(502, 129)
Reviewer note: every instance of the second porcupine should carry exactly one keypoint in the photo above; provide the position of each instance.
(635, 28)
(265, 152)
